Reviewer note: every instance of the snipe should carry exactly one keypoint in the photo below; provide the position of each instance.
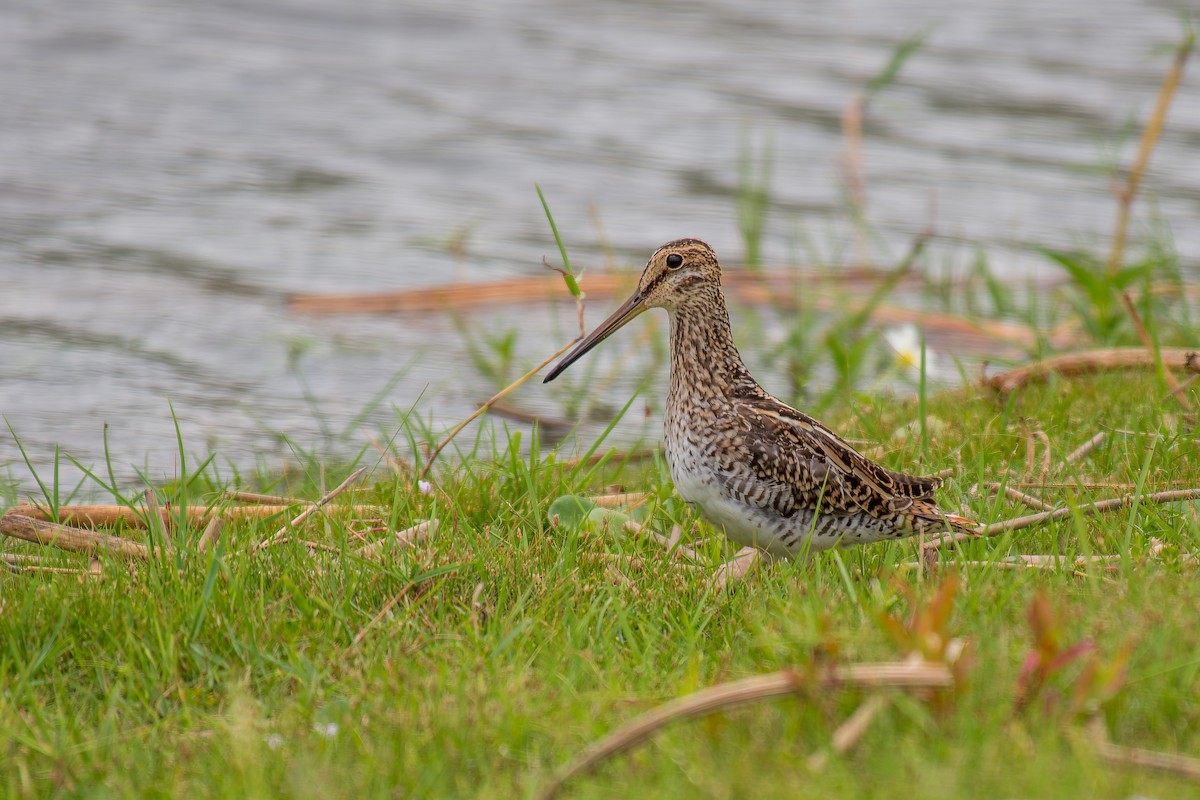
(770, 476)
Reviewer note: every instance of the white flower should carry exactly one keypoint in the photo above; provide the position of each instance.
(906, 341)
(425, 487)
(326, 729)
(274, 741)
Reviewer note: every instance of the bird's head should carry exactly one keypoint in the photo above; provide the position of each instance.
(677, 271)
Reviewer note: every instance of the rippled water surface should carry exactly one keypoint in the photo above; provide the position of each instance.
(170, 171)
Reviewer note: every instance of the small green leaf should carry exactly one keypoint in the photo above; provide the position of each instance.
(572, 510)
(901, 54)
(567, 273)
(608, 521)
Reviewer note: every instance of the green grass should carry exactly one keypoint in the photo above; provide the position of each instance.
(479, 663)
(511, 647)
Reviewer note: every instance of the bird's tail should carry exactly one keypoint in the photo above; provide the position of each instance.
(961, 523)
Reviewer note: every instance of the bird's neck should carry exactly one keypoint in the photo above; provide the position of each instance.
(704, 361)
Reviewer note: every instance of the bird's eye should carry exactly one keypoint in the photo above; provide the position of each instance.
(674, 261)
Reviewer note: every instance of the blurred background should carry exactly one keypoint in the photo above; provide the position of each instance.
(171, 172)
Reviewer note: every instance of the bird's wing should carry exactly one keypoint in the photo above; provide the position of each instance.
(791, 461)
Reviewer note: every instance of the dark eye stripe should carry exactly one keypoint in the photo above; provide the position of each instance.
(654, 283)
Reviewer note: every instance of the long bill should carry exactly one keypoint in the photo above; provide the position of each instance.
(628, 310)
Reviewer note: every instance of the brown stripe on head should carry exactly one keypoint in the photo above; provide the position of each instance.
(688, 245)
(676, 269)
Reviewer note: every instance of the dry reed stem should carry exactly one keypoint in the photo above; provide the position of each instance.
(76, 540)
(26, 562)
(1098, 507)
(898, 675)
(328, 548)
(632, 563)
(852, 170)
(1051, 564)
(409, 537)
(550, 425)
(1030, 449)
(1023, 561)
(918, 566)
(458, 296)
(1136, 319)
(1016, 494)
(1089, 362)
(1144, 335)
(1148, 434)
(113, 516)
(1086, 448)
(500, 395)
(1179, 390)
(630, 499)
(616, 577)
(212, 532)
(1058, 562)
(632, 456)
(1175, 764)
(675, 536)
(84, 573)
(616, 283)
(1154, 126)
(635, 564)
(600, 285)
(745, 286)
(362, 634)
(308, 512)
(670, 544)
(1093, 485)
(395, 463)
(18, 559)
(851, 731)
(155, 512)
(262, 499)
(962, 328)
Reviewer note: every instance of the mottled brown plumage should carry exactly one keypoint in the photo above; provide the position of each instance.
(770, 476)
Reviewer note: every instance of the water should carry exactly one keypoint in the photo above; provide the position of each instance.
(170, 171)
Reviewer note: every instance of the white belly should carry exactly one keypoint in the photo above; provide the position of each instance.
(750, 526)
(743, 524)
